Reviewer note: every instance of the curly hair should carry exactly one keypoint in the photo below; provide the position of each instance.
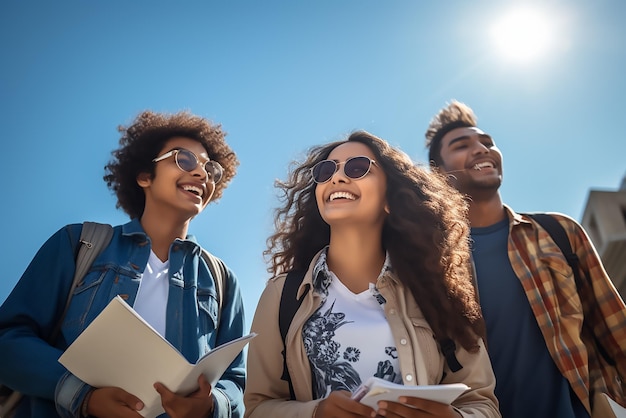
(454, 115)
(426, 235)
(143, 140)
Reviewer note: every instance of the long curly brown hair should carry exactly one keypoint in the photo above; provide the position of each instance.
(426, 235)
(143, 140)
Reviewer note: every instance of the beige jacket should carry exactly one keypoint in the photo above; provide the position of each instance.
(266, 395)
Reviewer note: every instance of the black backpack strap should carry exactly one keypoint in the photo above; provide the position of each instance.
(289, 305)
(560, 238)
(448, 348)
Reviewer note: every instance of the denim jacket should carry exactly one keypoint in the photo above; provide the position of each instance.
(28, 316)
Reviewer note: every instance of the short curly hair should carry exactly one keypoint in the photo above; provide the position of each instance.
(454, 115)
(143, 140)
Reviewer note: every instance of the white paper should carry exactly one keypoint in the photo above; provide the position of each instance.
(120, 349)
(376, 389)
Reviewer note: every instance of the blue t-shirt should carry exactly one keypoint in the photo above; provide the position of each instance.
(528, 383)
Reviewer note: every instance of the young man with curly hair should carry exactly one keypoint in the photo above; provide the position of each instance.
(554, 346)
(167, 169)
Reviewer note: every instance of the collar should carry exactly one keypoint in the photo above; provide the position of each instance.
(322, 276)
(514, 217)
(134, 229)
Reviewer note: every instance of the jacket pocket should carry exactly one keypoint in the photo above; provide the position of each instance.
(208, 310)
(93, 293)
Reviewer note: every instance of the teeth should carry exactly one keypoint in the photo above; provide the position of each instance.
(480, 166)
(341, 195)
(193, 189)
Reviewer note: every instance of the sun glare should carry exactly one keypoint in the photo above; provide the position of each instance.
(523, 35)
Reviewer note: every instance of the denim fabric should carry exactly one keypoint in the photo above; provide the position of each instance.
(27, 317)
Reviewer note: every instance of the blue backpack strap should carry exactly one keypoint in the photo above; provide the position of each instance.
(289, 305)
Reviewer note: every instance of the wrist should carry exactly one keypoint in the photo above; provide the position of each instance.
(84, 408)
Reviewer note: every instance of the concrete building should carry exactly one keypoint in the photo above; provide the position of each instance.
(604, 219)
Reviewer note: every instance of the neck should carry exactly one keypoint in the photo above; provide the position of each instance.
(487, 211)
(356, 257)
(162, 233)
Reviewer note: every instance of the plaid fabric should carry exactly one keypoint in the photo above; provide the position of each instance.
(561, 311)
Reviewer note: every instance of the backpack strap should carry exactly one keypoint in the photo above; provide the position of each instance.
(94, 237)
(218, 271)
(448, 349)
(289, 305)
(560, 238)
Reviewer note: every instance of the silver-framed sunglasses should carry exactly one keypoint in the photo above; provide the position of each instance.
(354, 168)
(188, 161)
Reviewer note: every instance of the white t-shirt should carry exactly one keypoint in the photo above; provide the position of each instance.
(349, 339)
(151, 300)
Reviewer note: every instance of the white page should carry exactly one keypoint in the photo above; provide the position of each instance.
(376, 389)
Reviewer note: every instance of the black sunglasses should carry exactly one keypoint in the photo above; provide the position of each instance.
(354, 168)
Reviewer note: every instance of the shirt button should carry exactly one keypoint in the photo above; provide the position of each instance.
(392, 311)
(403, 341)
(408, 378)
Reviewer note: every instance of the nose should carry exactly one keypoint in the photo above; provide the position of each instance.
(339, 176)
(200, 171)
(479, 148)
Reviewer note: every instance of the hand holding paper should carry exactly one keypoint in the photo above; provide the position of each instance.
(120, 349)
(376, 389)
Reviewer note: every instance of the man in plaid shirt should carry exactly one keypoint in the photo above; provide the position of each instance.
(553, 347)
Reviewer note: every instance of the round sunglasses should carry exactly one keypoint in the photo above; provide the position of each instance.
(188, 161)
(354, 168)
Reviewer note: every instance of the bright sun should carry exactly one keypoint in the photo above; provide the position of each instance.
(523, 35)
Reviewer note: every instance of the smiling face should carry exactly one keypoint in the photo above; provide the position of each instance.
(344, 200)
(472, 159)
(173, 189)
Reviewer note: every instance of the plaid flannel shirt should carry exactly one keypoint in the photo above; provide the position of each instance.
(560, 308)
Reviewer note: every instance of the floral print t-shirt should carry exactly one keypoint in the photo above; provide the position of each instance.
(348, 339)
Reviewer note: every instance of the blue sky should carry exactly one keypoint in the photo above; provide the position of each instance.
(283, 76)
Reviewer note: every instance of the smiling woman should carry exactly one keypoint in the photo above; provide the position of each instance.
(523, 35)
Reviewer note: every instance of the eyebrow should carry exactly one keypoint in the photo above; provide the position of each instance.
(464, 137)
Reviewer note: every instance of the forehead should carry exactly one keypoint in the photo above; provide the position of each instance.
(463, 132)
(350, 149)
(186, 143)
